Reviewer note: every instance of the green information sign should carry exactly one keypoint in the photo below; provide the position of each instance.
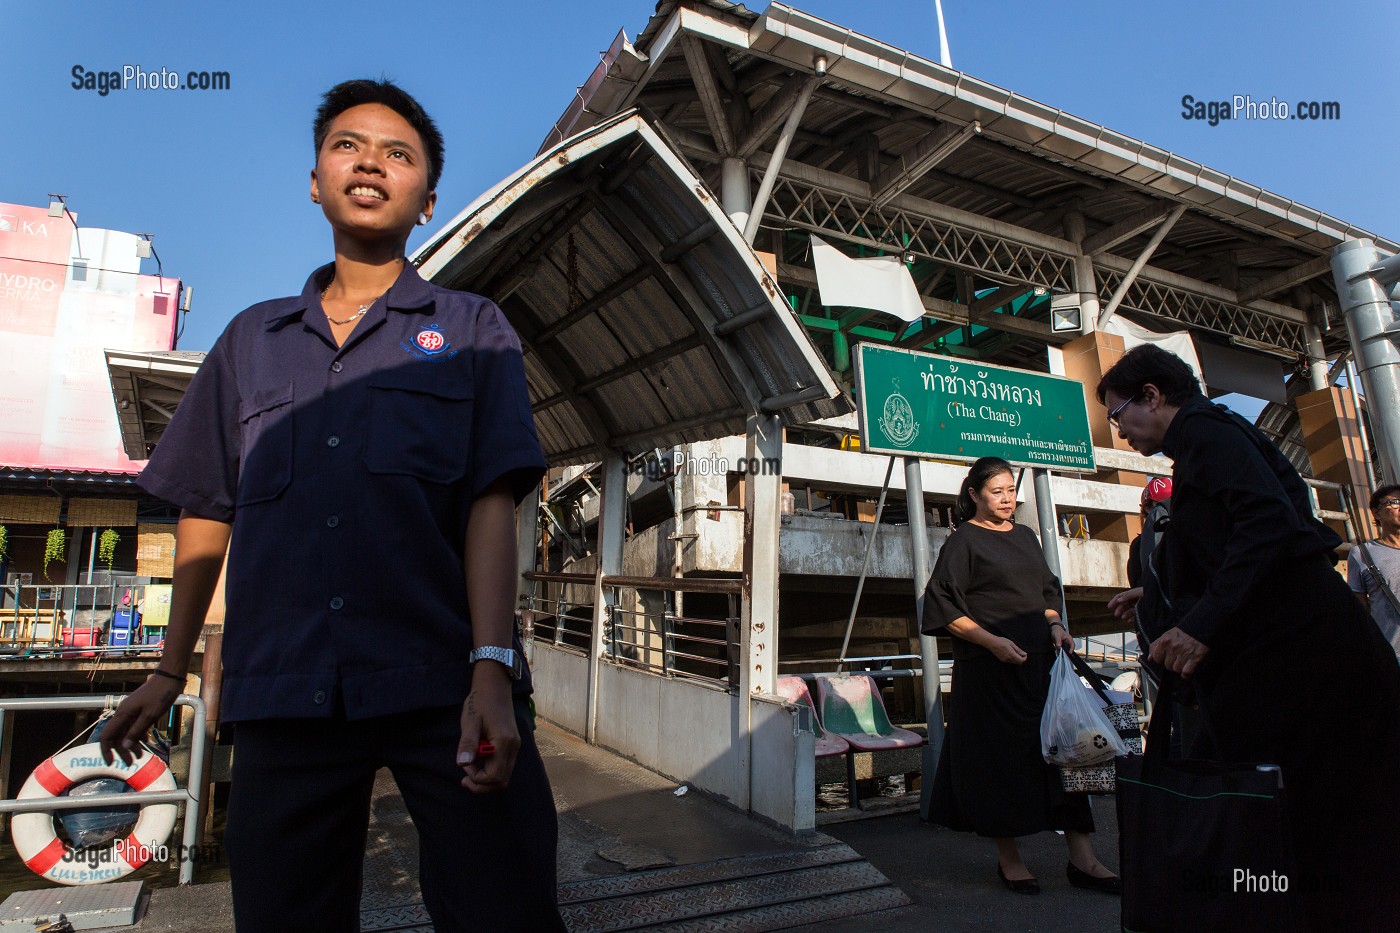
(921, 405)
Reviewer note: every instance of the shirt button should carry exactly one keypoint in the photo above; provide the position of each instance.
(336, 367)
(337, 602)
(320, 696)
(332, 441)
(332, 521)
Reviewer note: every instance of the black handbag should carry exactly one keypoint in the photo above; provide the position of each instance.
(1203, 845)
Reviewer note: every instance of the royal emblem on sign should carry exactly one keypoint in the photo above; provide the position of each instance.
(897, 420)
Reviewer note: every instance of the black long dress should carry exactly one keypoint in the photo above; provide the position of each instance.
(1297, 674)
(991, 778)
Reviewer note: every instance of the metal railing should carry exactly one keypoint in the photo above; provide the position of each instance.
(1349, 516)
(188, 797)
(69, 620)
(664, 640)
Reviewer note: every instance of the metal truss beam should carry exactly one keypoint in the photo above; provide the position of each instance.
(826, 202)
(839, 206)
(1196, 308)
(796, 203)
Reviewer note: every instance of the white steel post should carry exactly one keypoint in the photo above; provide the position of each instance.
(928, 644)
(758, 616)
(735, 195)
(526, 524)
(612, 515)
(1084, 281)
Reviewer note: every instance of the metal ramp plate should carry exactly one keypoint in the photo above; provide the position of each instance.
(409, 917)
(88, 907)
(752, 893)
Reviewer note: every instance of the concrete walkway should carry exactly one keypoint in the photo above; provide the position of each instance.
(618, 819)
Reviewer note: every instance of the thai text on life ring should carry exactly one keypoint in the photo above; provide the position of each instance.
(47, 855)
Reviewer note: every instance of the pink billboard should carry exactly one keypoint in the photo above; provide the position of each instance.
(67, 295)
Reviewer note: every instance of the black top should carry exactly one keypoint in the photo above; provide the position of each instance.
(1000, 580)
(349, 474)
(1240, 515)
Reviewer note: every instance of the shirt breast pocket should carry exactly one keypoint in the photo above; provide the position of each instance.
(265, 464)
(420, 423)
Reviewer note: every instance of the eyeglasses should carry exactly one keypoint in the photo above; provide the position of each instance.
(1113, 415)
(1388, 504)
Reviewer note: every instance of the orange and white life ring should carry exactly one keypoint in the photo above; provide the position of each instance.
(46, 855)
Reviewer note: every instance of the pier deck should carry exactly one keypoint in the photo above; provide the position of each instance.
(628, 845)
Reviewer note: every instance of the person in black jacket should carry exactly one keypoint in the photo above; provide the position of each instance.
(1286, 667)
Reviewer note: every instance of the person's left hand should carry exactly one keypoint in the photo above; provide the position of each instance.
(1178, 652)
(488, 713)
(1059, 637)
(1124, 604)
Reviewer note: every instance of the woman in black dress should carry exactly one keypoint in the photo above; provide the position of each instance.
(993, 592)
(1286, 666)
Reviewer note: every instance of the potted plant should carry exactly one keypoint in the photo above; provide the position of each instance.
(55, 549)
(107, 548)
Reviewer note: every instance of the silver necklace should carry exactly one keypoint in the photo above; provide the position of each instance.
(359, 312)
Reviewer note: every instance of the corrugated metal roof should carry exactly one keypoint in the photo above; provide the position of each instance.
(861, 68)
(83, 477)
(146, 388)
(647, 320)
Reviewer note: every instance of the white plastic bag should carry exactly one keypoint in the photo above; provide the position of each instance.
(1074, 730)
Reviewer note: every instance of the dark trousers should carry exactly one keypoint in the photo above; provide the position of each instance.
(299, 813)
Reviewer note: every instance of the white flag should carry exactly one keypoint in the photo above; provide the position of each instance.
(881, 283)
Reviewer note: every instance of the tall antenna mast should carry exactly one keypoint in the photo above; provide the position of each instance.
(945, 58)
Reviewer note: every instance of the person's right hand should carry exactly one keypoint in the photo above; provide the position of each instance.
(1124, 605)
(1008, 651)
(134, 716)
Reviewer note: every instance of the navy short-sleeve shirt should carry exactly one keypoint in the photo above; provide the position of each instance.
(348, 474)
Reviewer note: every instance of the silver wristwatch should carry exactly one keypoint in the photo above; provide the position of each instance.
(506, 657)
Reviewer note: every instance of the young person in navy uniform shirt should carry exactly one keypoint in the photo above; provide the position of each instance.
(359, 450)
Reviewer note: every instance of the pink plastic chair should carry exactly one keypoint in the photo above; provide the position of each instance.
(794, 690)
(851, 708)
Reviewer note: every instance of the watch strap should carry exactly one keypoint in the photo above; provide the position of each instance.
(507, 657)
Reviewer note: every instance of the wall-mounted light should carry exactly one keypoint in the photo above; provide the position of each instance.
(145, 249)
(58, 207)
(1065, 315)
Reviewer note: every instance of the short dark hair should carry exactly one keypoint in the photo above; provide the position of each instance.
(349, 94)
(1385, 492)
(983, 469)
(1145, 364)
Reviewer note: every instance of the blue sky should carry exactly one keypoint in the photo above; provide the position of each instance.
(220, 177)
